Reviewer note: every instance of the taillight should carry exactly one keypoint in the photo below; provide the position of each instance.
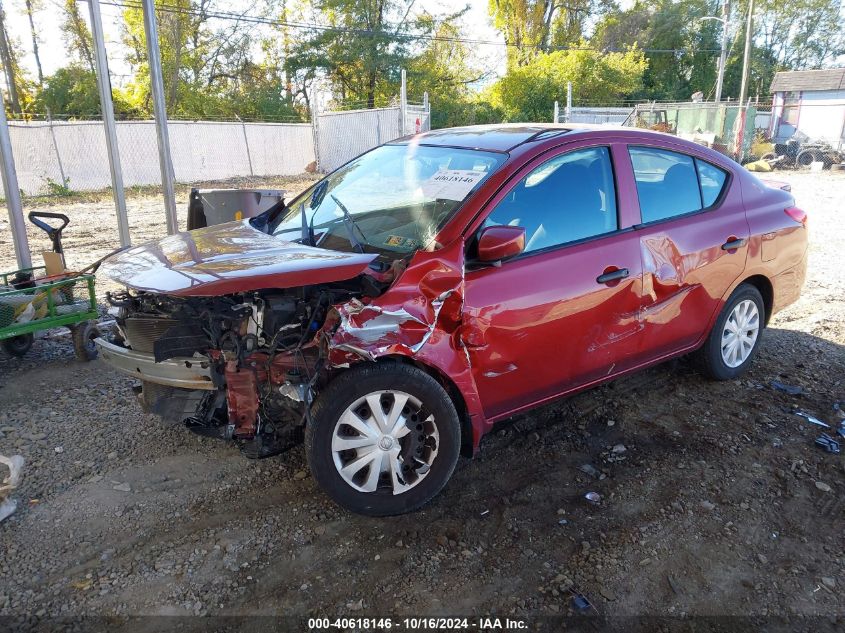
(796, 214)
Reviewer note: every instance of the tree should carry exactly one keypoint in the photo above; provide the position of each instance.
(176, 28)
(797, 35)
(207, 71)
(532, 27)
(791, 35)
(76, 35)
(666, 26)
(445, 69)
(72, 92)
(31, 7)
(365, 46)
(527, 93)
(9, 60)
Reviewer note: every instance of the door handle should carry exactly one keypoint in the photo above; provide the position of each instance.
(614, 275)
(732, 245)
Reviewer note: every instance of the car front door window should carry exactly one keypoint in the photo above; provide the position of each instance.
(566, 199)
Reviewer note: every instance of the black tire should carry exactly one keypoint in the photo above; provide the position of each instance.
(804, 158)
(83, 340)
(341, 394)
(18, 345)
(711, 362)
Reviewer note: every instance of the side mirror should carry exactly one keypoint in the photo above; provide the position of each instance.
(496, 243)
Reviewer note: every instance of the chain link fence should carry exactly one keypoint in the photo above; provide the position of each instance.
(344, 134)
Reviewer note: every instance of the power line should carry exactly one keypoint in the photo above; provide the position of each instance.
(394, 35)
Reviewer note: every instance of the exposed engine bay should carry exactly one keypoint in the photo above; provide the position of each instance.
(264, 351)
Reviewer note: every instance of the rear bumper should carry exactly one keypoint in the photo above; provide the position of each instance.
(185, 373)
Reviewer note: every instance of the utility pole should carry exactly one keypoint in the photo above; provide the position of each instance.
(743, 90)
(403, 102)
(13, 194)
(160, 112)
(746, 57)
(723, 56)
(107, 111)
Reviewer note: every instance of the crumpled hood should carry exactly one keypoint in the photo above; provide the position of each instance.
(228, 258)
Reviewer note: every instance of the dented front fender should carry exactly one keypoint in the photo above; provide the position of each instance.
(419, 317)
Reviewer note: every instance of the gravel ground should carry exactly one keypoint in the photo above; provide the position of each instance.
(715, 501)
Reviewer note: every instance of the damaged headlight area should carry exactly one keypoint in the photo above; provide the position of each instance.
(244, 367)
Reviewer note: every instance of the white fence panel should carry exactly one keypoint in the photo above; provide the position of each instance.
(200, 150)
(280, 149)
(612, 116)
(35, 158)
(138, 146)
(346, 134)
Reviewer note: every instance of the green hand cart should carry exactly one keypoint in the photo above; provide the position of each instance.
(31, 300)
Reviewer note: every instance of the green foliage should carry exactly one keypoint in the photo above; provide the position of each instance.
(527, 93)
(216, 68)
(373, 41)
(60, 189)
(533, 27)
(76, 35)
(72, 92)
(668, 25)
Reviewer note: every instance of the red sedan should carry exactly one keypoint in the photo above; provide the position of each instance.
(395, 311)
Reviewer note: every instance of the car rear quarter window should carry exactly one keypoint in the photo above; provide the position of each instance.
(712, 181)
(670, 184)
(568, 198)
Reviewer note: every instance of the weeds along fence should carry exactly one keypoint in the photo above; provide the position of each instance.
(57, 157)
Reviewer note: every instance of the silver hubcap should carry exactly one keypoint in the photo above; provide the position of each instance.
(740, 334)
(384, 442)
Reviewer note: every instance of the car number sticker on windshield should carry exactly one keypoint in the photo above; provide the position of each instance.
(395, 240)
(451, 184)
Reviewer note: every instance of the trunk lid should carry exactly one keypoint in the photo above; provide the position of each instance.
(228, 258)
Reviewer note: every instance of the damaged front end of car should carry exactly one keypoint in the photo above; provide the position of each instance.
(247, 366)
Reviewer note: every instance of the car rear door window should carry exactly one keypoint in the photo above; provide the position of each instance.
(671, 184)
(712, 181)
(566, 199)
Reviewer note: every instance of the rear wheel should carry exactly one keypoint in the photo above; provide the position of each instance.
(735, 338)
(384, 439)
(18, 345)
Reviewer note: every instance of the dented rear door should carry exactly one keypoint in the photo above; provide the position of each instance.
(690, 259)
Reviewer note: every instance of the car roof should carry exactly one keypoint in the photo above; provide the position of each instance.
(501, 137)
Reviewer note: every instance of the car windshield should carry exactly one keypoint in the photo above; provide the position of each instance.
(393, 199)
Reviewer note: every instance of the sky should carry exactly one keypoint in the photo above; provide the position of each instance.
(476, 24)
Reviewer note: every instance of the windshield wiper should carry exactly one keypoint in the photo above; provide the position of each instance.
(316, 199)
(350, 225)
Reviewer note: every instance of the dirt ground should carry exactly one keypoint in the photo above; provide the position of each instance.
(715, 500)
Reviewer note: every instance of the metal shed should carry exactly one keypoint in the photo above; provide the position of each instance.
(809, 105)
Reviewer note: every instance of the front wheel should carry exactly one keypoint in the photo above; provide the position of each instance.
(735, 338)
(384, 439)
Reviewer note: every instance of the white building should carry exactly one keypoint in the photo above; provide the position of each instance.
(809, 104)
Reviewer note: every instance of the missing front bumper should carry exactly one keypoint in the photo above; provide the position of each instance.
(185, 373)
